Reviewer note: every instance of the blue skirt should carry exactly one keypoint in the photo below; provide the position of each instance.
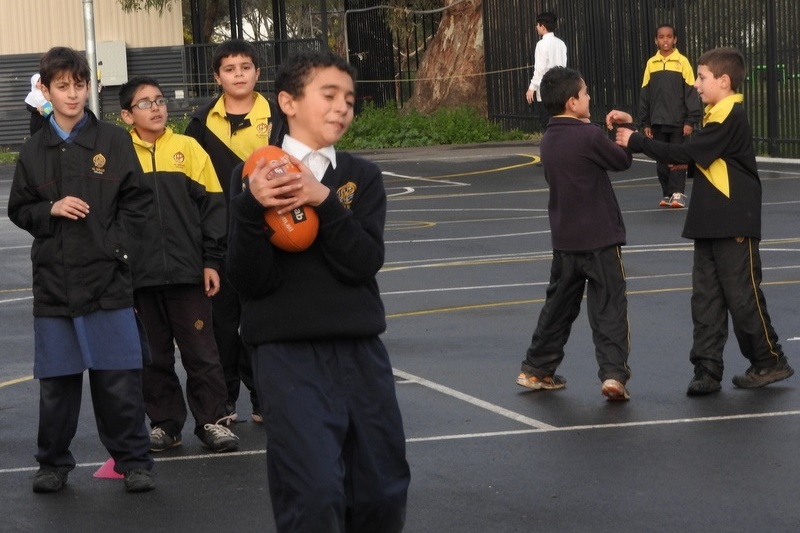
(102, 340)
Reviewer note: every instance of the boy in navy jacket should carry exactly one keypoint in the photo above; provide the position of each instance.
(77, 189)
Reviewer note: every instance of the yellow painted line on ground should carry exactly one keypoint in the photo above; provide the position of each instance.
(5, 291)
(492, 305)
(534, 159)
(15, 381)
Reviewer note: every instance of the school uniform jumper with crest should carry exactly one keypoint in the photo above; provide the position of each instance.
(322, 372)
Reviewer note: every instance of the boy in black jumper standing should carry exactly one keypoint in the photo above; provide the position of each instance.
(336, 446)
(587, 232)
(724, 219)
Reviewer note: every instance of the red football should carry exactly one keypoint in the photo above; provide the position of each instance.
(293, 231)
(269, 153)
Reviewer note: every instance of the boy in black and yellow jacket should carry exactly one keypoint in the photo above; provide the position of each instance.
(229, 128)
(724, 219)
(669, 109)
(175, 273)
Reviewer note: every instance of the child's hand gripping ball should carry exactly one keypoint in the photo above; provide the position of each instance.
(293, 231)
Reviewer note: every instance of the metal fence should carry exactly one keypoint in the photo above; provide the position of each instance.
(610, 41)
(386, 46)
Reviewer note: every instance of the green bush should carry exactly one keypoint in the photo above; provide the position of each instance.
(389, 127)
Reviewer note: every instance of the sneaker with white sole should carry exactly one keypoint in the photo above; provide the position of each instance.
(218, 438)
(529, 381)
(160, 440)
(615, 391)
(678, 200)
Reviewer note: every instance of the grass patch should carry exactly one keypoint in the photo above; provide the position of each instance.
(389, 127)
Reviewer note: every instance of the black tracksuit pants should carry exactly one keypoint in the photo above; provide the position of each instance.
(672, 179)
(182, 315)
(234, 355)
(118, 412)
(726, 279)
(602, 275)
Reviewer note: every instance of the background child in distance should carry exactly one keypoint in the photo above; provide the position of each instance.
(669, 109)
(77, 189)
(550, 52)
(229, 129)
(176, 271)
(587, 232)
(336, 453)
(724, 220)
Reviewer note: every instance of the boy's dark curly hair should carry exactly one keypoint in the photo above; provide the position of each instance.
(293, 75)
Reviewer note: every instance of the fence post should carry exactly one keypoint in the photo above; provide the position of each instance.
(772, 81)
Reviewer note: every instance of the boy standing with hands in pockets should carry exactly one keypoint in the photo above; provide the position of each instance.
(724, 219)
(336, 446)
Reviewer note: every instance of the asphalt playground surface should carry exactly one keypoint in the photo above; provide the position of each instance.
(467, 263)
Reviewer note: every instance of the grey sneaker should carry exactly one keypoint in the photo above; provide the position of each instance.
(703, 383)
(218, 438)
(139, 480)
(756, 377)
(50, 479)
(160, 440)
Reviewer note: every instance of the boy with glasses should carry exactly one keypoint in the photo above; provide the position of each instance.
(176, 271)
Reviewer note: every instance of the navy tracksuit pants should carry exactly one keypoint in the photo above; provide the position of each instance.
(335, 442)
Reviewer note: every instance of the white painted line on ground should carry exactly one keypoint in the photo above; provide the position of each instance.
(643, 423)
(473, 401)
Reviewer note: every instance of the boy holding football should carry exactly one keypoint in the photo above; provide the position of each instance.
(336, 453)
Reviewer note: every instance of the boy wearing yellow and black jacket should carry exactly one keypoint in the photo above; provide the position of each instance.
(669, 109)
(229, 128)
(176, 272)
(724, 220)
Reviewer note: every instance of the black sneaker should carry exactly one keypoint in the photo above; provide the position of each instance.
(160, 440)
(139, 480)
(218, 438)
(703, 383)
(756, 377)
(50, 479)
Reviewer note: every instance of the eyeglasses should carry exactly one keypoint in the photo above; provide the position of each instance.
(147, 104)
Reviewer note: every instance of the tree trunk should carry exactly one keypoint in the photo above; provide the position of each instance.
(452, 71)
